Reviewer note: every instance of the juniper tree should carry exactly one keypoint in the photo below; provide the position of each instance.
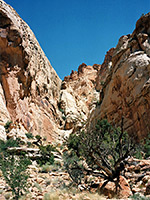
(105, 150)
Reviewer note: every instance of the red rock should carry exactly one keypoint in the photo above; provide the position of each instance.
(110, 189)
(27, 77)
(2, 197)
(126, 91)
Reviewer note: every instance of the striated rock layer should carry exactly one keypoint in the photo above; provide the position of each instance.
(29, 86)
(125, 77)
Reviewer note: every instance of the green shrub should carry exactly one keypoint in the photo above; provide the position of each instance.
(14, 167)
(143, 150)
(14, 172)
(29, 144)
(64, 118)
(61, 110)
(74, 169)
(9, 143)
(46, 155)
(38, 141)
(29, 135)
(7, 126)
(137, 196)
(146, 146)
(38, 137)
(20, 142)
(46, 168)
(74, 143)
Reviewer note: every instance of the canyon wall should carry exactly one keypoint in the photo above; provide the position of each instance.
(124, 82)
(29, 86)
(78, 96)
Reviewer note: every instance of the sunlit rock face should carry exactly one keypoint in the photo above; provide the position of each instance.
(29, 86)
(78, 96)
(125, 90)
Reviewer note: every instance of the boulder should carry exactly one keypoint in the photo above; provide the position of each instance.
(110, 189)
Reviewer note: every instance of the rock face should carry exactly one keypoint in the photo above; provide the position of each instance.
(29, 86)
(78, 96)
(126, 81)
(37, 101)
(104, 70)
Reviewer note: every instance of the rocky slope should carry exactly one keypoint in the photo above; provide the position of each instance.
(124, 81)
(53, 181)
(29, 86)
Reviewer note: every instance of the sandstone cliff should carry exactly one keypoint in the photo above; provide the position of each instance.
(29, 86)
(125, 77)
(78, 96)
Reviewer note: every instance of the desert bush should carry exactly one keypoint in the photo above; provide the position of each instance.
(46, 196)
(143, 148)
(146, 146)
(46, 168)
(13, 168)
(29, 135)
(61, 110)
(7, 126)
(137, 196)
(64, 118)
(104, 149)
(8, 195)
(46, 155)
(74, 169)
(38, 141)
(29, 144)
(4, 145)
(14, 172)
(38, 137)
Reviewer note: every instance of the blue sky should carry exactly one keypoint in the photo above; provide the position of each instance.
(75, 31)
